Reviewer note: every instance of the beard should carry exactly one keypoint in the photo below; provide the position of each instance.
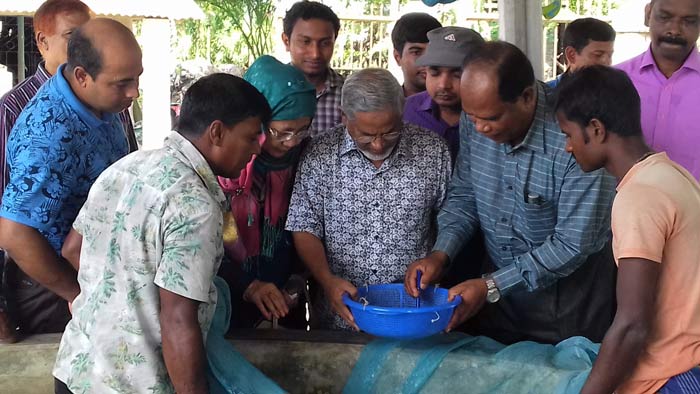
(376, 157)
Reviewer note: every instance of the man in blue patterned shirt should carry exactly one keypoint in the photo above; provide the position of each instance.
(550, 274)
(366, 195)
(65, 137)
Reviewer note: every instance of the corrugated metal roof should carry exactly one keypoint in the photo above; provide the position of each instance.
(170, 9)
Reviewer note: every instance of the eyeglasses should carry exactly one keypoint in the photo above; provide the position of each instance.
(284, 136)
(387, 137)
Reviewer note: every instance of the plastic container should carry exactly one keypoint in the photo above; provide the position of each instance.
(388, 311)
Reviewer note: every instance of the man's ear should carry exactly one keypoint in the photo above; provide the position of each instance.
(81, 76)
(215, 133)
(599, 132)
(285, 40)
(570, 55)
(41, 41)
(397, 57)
(529, 95)
(647, 14)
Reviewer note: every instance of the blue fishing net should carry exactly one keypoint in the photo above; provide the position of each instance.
(451, 363)
(229, 372)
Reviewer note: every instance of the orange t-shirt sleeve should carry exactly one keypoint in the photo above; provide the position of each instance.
(642, 220)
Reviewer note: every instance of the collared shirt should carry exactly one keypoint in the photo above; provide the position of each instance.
(541, 215)
(670, 115)
(14, 101)
(328, 104)
(421, 110)
(55, 152)
(152, 221)
(373, 221)
(556, 81)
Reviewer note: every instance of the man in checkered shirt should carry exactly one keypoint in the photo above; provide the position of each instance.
(310, 30)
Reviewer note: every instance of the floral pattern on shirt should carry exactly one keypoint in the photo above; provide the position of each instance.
(153, 220)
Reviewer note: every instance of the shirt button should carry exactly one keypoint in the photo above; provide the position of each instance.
(504, 220)
(504, 248)
(509, 187)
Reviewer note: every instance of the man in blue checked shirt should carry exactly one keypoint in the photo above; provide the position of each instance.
(549, 272)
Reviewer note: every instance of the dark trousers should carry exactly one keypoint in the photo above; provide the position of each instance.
(582, 304)
(34, 308)
(60, 387)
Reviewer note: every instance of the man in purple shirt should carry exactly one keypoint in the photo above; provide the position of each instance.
(667, 78)
(438, 108)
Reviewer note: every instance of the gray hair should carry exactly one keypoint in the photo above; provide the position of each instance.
(371, 90)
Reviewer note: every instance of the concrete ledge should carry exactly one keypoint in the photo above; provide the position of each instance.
(301, 362)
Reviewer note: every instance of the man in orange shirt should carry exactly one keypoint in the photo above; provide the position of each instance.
(653, 344)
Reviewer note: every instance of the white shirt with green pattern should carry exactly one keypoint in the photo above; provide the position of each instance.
(152, 220)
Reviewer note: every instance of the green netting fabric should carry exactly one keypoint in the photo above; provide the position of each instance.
(229, 372)
(455, 362)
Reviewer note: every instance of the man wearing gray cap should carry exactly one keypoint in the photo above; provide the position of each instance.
(438, 108)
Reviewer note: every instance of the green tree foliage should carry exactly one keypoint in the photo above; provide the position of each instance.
(234, 31)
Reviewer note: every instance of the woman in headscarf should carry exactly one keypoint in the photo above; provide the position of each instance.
(261, 258)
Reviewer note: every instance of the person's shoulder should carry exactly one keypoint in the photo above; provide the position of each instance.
(416, 100)
(424, 140)
(335, 79)
(631, 64)
(328, 141)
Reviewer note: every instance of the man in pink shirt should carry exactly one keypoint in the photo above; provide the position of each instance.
(667, 78)
(653, 345)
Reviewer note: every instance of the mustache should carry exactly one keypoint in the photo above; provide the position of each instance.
(673, 40)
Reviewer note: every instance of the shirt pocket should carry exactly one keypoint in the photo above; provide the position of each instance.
(538, 218)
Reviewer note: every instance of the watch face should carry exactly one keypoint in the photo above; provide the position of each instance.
(493, 296)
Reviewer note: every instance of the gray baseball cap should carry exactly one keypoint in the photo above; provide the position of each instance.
(447, 46)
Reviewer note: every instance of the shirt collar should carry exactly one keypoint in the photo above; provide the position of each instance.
(81, 109)
(333, 79)
(691, 62)
(41, 74)
(426, 102)
(534, 139)
(189, 154)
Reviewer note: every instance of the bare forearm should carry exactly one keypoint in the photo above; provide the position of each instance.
(313, 254)
(35, 257)
(616, 360)
(183, 351)
(71, 248)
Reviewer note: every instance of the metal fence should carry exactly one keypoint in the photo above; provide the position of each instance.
(364, 39)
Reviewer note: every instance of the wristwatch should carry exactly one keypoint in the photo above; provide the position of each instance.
(492, 294)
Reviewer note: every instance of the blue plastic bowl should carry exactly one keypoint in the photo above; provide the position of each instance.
(388, 311)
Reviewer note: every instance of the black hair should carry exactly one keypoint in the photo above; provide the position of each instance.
(81, 52)
(513, 69)
(603, 93)
(223, 97)
(309, 10)
(412, 27)
(580, 32)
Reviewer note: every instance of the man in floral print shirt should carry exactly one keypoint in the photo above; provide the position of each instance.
(149, 241)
